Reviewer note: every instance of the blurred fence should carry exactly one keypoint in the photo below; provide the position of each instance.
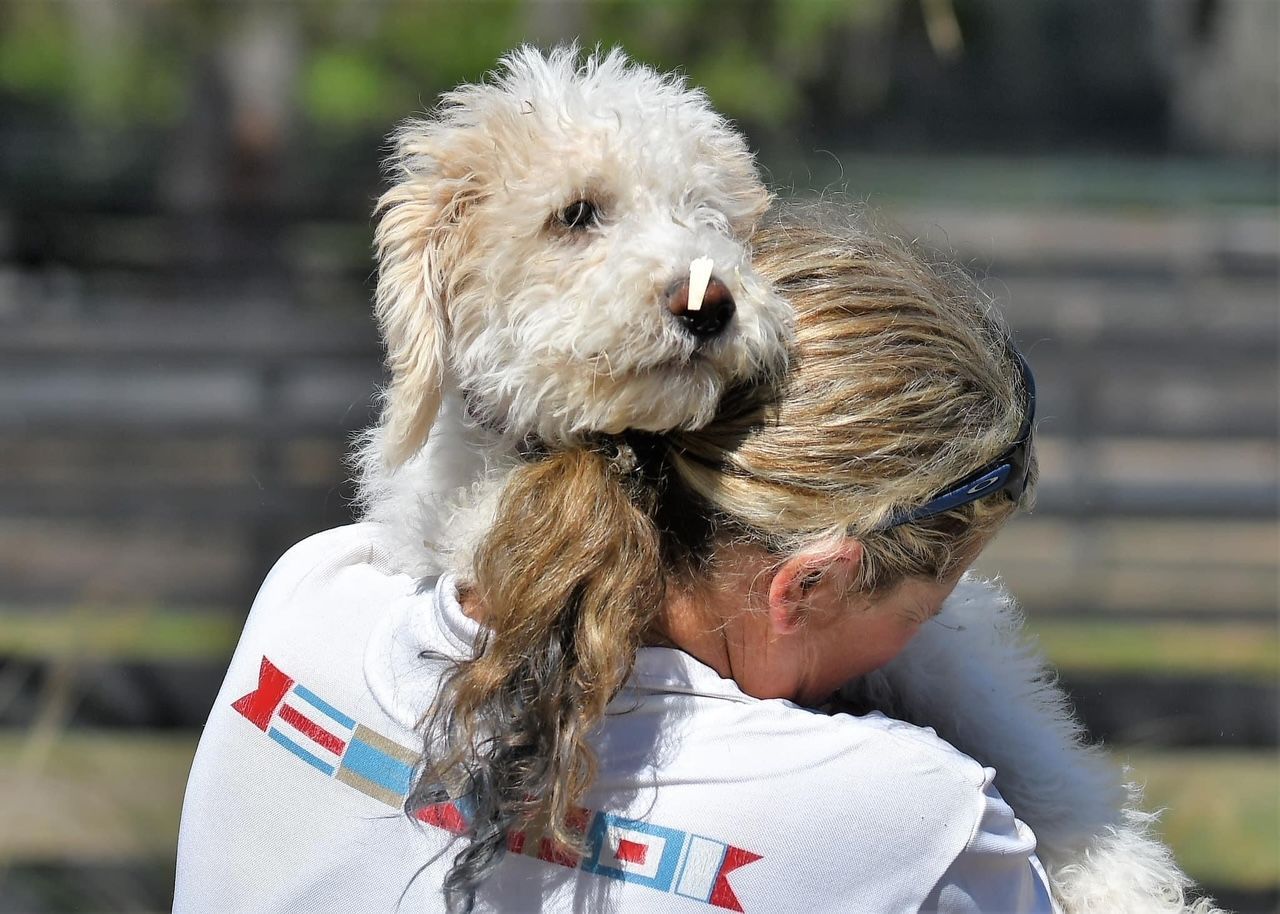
(176, 397)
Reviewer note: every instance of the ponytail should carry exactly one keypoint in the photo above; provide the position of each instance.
(569, 580)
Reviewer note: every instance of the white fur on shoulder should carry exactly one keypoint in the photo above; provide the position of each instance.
(977, 679)
(435, 506)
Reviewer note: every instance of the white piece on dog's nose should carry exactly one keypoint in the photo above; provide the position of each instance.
(699, 276)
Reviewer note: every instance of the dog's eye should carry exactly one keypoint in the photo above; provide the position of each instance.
(579, 214)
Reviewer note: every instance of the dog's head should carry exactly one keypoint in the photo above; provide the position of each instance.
(536, 245)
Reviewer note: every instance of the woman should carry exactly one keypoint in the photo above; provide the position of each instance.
(618, 689)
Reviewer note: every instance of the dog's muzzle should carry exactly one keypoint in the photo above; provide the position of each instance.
(708, 321)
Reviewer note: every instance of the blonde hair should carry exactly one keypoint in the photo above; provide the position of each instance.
(569, 577)
(902, 381)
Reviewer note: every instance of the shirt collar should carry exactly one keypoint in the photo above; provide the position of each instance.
(667, 669)
(434, 620)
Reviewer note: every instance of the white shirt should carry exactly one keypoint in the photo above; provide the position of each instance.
(707, 799)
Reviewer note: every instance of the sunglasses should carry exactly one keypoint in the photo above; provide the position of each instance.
(1007, 473)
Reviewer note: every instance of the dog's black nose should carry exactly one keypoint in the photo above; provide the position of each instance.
(710, 319)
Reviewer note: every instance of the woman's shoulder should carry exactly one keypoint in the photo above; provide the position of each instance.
(850, 813)
(892, 738)
(343, 571)
(906, 802)
(323, 555)
(716, 724)
(775, 737)
(874, 751)
(319, 608)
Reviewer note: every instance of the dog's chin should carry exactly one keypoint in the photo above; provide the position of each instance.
(681, 391)
(687, 366)
(659, 397)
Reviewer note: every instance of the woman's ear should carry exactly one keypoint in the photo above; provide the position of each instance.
(812, 580)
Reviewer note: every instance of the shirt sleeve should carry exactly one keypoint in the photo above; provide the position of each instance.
(998, 871)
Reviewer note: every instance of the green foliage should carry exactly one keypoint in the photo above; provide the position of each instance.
(412, 52)
(36, 54)
(440, 43)
(755, 58)
(657, 32)
(367, 62)
(743, 86)
(125, 86)
(348, 89)
(804, 27)
(43, 57)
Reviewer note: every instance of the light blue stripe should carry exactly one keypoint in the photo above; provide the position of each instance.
(680, 867)
(375, 765)
(316, 702)
(299, 751)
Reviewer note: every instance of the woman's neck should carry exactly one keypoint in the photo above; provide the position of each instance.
(714, 619)
(687, 623)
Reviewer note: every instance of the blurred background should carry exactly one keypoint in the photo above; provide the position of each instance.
(185, 349)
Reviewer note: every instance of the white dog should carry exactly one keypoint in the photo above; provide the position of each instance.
(535, 252)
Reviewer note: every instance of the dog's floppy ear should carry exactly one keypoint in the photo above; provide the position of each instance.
(417, 244)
